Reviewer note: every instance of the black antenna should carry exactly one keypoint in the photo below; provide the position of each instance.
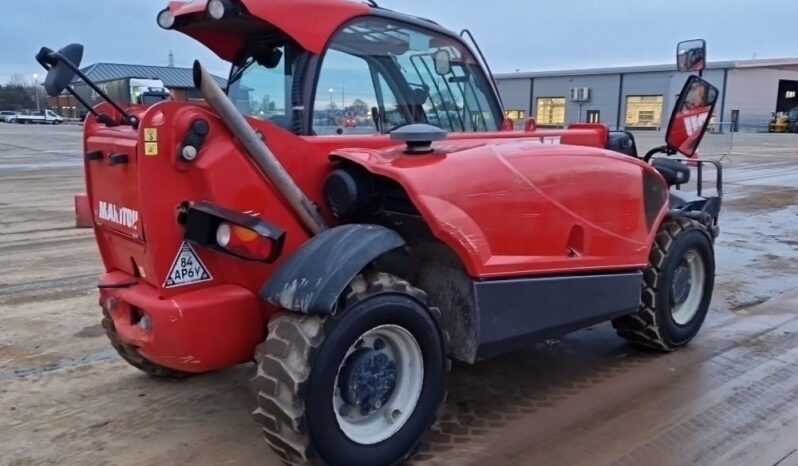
(466, 34)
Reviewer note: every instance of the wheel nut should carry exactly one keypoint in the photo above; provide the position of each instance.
(394, 415)
(379, 344)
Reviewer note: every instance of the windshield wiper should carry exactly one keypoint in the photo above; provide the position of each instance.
(240, 72)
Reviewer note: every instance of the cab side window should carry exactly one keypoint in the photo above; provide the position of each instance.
(349, 95)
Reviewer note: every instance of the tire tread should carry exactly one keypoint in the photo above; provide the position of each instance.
(643, 327)
(284, 363)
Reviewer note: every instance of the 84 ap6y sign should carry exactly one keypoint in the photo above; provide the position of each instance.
(187, 269)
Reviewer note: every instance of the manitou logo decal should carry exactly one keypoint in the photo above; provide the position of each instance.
(695, 123)
(120, 215)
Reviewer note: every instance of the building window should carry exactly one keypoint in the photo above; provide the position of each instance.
(515, 114)
(644, 111)
(789, 94)
(551, 111)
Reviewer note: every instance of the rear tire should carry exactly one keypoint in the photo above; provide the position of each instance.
(131, 355)
(677, 288)
(324, 396)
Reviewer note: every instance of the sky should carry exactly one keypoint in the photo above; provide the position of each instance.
(524, 35)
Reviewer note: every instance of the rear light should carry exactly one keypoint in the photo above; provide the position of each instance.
(223, 235)
(235, 233)
(244, 242)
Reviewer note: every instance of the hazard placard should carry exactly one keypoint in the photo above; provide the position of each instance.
(151, 149)
(187, 269)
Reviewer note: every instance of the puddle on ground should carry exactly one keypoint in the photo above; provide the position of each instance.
(767, 199)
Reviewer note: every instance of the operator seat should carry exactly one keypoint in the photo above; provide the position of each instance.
(419, 97)
(674, 171)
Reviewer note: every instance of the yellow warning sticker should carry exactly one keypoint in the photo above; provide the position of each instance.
(151, 149)
(150, 134)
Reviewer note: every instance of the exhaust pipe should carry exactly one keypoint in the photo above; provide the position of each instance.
(257, 149)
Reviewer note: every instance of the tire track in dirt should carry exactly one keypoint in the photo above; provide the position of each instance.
(25, 246)
(54, 288)
(476, 411)
(731, 420)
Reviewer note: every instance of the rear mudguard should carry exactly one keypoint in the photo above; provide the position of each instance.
(312, 280)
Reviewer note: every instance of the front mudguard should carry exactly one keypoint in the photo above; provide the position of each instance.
(312, 280)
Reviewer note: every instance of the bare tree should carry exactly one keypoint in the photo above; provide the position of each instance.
(17, 80)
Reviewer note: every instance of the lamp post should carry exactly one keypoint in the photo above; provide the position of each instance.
(36, 90)
(332, 91)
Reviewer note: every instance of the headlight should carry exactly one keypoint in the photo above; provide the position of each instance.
(216, 9)
(166, 19)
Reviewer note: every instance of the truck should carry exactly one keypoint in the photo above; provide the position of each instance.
(42, 117)
(353, 268)
(128, 91)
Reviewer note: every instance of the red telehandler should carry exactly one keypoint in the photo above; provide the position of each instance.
(352, 262)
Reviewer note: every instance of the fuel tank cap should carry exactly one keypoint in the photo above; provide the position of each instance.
(419, 137)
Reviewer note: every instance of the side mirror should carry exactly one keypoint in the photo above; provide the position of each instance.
(60, 66)
(691, 55)
(443, 62)
(690, 116)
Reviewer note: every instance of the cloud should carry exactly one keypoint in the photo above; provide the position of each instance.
(514, 34)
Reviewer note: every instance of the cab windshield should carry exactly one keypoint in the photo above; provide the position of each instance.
(387, 74)
(261, 80)
(377, 74)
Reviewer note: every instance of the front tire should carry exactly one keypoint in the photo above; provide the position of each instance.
(677, 288)
(357, 388)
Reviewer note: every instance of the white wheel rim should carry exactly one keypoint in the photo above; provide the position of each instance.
(693, 265)
(381, 424)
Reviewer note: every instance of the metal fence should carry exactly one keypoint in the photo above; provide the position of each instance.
(718, 141)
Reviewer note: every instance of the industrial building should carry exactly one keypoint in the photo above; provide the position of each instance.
(641, 97)
(116, 80)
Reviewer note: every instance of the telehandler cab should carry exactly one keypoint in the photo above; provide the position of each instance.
(352, 260)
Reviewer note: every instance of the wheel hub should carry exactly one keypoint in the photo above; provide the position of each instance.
(368, 379)
(682, 283)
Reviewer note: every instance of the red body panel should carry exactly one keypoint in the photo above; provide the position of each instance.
(200, 331)
(311, 29)
(83, 212)
(525, 208)
(515, 206)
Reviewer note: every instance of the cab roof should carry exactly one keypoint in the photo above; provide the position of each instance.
(310, 23)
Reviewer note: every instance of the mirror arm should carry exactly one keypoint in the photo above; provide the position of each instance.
(126, 117)
(101, 117)
(657, 150)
